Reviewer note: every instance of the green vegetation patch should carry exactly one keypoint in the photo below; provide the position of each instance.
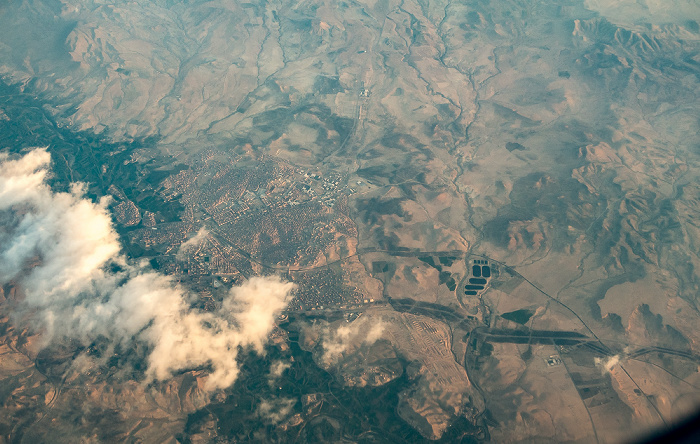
(447, 279)
(519, 316)
(447, 260)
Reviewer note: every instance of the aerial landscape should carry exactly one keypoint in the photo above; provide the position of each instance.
(388, 221)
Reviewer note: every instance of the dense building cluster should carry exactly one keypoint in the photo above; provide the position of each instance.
(277, 212)
(126, 213)
(321, 289)
(254, 209)
(166, 236)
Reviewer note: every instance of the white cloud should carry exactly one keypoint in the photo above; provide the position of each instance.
(192, 244)
(72, 236)
(375, 333)
(58, 247)
(338, 342)
(277, 368)
(275, 410)
(606, 365)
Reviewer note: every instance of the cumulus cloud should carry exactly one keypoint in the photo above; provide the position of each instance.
(192, 244)
(606, 365)
(374, 333)
(338, 342)
(60, 247)
(275, 410)
(277, 368)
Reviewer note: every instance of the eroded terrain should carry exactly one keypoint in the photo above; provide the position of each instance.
(489, 209)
